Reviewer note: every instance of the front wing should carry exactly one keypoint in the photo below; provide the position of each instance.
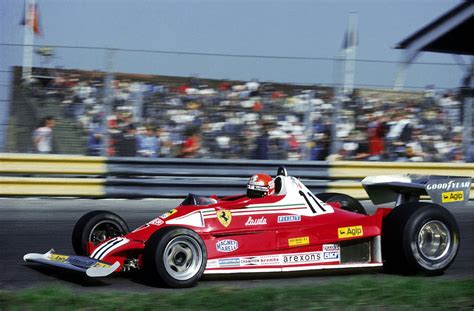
(92, 267)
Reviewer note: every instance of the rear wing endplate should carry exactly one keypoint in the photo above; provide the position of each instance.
(449, 191)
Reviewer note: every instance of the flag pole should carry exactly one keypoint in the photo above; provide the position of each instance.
(344, 81)
(350, 53)
(28, 41)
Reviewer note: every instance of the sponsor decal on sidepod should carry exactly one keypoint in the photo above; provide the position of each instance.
(272, 260)
(226, 262)
(249, 261)
(227, 246)
(348, 232)
(289, 218)
(331, 255)
(269, 260)
(311, 257)
(330, 247)
(331, 252)
(302, 258)
(256, 222)
(304, 240)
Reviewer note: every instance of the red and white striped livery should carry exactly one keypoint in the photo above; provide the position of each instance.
(290, 230)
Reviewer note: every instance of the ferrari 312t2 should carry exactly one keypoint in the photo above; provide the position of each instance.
(290, 230)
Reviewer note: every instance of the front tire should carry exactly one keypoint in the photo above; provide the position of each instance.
(420, 237)
(96, 227)
(176, 256)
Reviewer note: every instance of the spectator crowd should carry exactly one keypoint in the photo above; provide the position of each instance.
(253, 120)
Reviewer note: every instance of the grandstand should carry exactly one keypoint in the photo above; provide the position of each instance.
(232, 119)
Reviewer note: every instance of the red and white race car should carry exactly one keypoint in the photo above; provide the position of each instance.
(290, 230)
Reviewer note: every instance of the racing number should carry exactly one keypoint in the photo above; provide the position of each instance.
(311, 200)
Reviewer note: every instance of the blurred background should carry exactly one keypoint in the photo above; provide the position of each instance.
(289, 80)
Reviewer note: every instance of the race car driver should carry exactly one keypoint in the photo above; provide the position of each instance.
(260, 185)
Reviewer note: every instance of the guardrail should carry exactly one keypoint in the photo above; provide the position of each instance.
(213, 168)
(41, 186)
(35, 165)
(342, 170)
(54, 175)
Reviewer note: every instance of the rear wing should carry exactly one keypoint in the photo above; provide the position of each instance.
(449, 191)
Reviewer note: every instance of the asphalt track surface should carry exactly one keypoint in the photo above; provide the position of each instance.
(37, 225)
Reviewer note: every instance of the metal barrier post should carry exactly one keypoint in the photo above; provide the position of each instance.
(467, 122)
(108, 99)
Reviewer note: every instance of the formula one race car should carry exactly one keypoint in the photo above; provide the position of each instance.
(290, 230)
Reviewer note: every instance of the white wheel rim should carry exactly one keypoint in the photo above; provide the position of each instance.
(182, 258)
(434, 240)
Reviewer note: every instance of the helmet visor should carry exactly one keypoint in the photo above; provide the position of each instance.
(256, 193)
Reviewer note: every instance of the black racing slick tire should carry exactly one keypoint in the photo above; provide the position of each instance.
(176, 256)
(96, 227)
(347, 202)
(419, 237)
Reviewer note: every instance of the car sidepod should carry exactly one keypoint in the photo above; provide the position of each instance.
(287, 241)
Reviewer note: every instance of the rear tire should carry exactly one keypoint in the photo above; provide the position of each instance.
(419, 237)
(96, 227)
(347, 202)
(176, 256)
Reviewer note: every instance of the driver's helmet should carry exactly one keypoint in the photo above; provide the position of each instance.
(260, 185)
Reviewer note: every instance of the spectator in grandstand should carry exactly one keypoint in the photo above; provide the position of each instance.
(294, 150)
(455, 152)
(191, 145)
(163, 140)
(126, 142)
(362, 151)
(435, 123)
(451, 108)
(414, 149)
(148, 144)
(175, 137)
(262, 144)
(377, 128)
(470, 154)
(320, 147)
(398, 135)
(94, 144)
(43, 136)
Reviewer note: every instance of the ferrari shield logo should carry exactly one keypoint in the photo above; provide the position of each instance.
(225, 217)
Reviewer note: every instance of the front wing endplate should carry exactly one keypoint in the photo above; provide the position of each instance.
(92, 267)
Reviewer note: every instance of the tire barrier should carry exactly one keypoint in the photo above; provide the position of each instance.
(101, 177)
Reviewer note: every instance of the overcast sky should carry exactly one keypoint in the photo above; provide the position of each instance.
(280, 27)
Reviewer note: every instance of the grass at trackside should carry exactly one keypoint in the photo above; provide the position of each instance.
(353, 293)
